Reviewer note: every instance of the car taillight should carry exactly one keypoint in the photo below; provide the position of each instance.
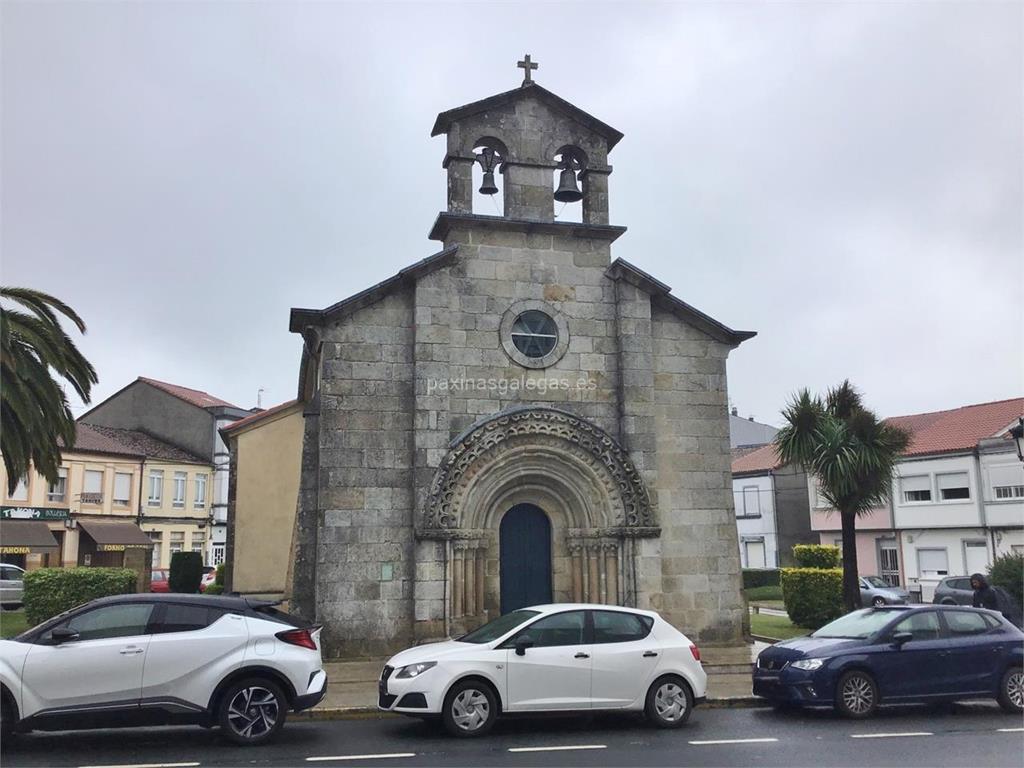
(695, 651)
(300, 637)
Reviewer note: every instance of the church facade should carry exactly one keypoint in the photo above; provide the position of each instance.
(516, 419)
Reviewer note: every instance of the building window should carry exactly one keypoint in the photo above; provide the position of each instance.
(917, 488)
(20, 492)
(122, 489)
(1009, 491)
(92, 489)
(179, 489)
(156, 487)
(198, 541)
(218, 554)
(200, 501)
(932, 563)
(58, 491)
(751, 502)
(754, 551)
(157, 537)
(177, 541)
(953, 486)
(534, 333)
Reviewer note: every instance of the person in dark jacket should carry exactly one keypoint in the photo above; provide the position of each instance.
(984, 595)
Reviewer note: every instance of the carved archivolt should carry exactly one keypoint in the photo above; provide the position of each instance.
(583, 445)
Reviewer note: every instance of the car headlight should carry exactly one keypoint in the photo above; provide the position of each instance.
(415, 670)
(807, 664)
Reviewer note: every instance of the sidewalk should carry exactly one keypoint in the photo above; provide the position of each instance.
(352, 685)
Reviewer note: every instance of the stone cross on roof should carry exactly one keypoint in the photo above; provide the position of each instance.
(527, 65)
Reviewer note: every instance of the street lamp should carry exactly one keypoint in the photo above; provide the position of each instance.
(1017, 433)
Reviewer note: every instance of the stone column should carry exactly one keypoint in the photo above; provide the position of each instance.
(457, 581)
(460, 183)
(481, 564)
(575, 549)
(469, 562)
(593, 562)
(611, 567)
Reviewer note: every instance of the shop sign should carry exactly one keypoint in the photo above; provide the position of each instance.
(34, 513)
(15, 550)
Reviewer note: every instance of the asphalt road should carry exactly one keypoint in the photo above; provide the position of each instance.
(713, 737)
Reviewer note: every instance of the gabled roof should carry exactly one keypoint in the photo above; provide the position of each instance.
(959, 429)
(620, 269)
(133, 443)
(248, 421)
(445, 119)
(758, 461)
(301, 318)
(194, 396)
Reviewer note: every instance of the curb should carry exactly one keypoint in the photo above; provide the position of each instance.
(763, 639)
(372, 713)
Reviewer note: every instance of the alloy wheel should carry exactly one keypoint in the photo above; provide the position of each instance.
(878, 602)
(470, 709)
(1015, 688)
(858, 694)
(670, 702)
(253, 712)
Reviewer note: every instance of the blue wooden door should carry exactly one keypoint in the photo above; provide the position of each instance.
(525, 538)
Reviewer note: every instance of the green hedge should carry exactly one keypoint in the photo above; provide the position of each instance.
(816, 556)
(186, 572)
(813, 596)
(1007, 571)
(49, 591)
(760, 577)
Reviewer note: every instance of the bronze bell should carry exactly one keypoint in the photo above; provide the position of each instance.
(488, 187)
(567, 191)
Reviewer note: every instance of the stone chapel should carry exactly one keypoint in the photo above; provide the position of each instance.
(517, 419)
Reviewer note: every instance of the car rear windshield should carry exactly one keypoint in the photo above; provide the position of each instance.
(857, 625)
(500, 626)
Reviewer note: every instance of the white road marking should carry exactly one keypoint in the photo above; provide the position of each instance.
(145, 765)
(557, 749)
(1010, 730)
(390, 756)
(734, 741)
(889, 735)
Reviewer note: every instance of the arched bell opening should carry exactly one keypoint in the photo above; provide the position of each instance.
(488, 177)
(570, 163)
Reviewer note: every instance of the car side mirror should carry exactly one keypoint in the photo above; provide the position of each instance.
(62, 635)
(900, 638)
(522, 645)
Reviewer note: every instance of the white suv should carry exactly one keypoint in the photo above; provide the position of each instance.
(152, 659)
(549, 658)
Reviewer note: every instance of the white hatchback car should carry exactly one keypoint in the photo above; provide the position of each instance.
(549, 658)
(156, 659)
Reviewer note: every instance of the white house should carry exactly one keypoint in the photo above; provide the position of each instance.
(958, 498)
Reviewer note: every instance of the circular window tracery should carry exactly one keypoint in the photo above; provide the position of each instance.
(534, 334)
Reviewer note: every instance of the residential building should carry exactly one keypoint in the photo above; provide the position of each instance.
(957, 500)
(266, 457)
(189, 419)
(772, 513)
(747, 432)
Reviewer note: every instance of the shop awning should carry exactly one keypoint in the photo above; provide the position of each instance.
(115, 537)
(20, 537)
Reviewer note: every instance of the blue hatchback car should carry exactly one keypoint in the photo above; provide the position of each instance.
(897, 655)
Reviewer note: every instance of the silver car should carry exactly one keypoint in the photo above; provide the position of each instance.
(875, 591)
(954, 590)
(11, 585)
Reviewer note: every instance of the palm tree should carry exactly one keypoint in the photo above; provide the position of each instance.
(35, 418)
(850, 453)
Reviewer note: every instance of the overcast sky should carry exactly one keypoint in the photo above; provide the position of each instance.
(844, 179)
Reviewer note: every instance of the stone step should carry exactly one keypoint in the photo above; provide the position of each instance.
(728, 669)
(730, 685)
(732, 654)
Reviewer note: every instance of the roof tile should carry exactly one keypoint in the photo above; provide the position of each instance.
(194, 396)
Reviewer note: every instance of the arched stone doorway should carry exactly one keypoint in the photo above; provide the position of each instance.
(524, 540)
(587, 487)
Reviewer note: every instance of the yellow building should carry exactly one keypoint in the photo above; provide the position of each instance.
(110, 482)
(266, 453)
